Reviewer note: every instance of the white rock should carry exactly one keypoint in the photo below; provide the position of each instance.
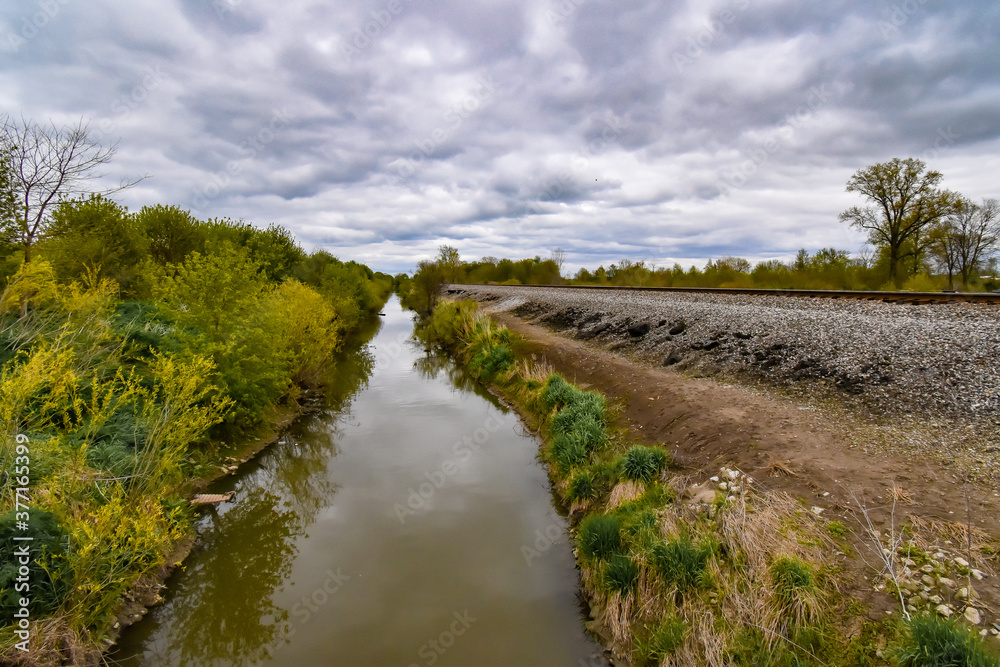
(733, 474)
(943, 610)
(961, 562)
(723, 486)
(979, 575)
(816, 510)
(973, 616)
(962, 594)
(946, 582)
(940, 555)
(714, 478)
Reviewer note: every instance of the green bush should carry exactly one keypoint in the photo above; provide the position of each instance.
(621, 574)
(795, 590)
(661, 642)
(599, 536)
(929, 641)
(557, 392)
(643, 464)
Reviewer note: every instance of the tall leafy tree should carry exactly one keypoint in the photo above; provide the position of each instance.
(904, 199)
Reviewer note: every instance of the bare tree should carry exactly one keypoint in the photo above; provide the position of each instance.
(976, 231)
(905, 199)
(46, 164)
(944, 249)
(559, 257)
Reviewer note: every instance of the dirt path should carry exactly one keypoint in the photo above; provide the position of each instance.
(707, 425)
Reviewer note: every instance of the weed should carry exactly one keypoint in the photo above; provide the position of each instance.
(568, 451)
(582, 487)
(794, 590)
(680, 562)
(661, 642)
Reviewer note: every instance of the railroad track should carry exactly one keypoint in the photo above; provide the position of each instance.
(917, 298)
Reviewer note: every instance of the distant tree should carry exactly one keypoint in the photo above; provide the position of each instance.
(424, 287)
(47, 164)
(172, 233)
(449, 262)
(559, 257)
(967, 237)
(905, 199)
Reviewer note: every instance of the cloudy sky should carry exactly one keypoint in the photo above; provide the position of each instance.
(655, 131)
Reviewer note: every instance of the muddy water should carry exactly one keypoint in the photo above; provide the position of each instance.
(407, 524)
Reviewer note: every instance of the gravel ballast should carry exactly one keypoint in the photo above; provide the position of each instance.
(936, 360)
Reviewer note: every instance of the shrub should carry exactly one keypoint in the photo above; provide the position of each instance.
(557, 392)
(929, 641)
(681, 563)
(836, 528)
(621, 574)
(643, 464)
(599, 536)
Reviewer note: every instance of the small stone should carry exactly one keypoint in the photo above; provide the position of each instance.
(940, 555)
(924, 595)
(935, 599)
(723, 486)
(816, 510)
(973, 616)
(929, 569)
(714, 478)
(961, 562)
(962, 594)
(927, 579)
(733, 474)
(984, 632)
(979, 575)
(826, 493)
(910, 608)
(947, 583)
(943, 610)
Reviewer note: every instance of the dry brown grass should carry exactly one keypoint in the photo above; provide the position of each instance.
(779, 468)
(53, 643)
(625, 492)
(901, 495)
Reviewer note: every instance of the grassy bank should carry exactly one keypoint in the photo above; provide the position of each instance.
(682, 571)
(118, 397)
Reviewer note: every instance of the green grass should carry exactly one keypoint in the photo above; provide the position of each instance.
(795, 590)
(643, 464)
(661, 642)
(568, 451)
(929, 641)
(489, 362)
(836, 528)
(600, 536)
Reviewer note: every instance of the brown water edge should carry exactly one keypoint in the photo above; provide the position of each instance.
(408, 523)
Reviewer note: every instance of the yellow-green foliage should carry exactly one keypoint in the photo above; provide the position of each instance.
(120, 400)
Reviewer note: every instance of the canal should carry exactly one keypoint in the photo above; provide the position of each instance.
(407, 523)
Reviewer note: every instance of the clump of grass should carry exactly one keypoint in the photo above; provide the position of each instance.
(836, 528)
(930, 641)
(661, 642)
(681, 562)
(582, 487)
(643, 464)
(557, 392)
(489, 362)
(568, 451)
(600, 536)
(795, 591)
(621, 574)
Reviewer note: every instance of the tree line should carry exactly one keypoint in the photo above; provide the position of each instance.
(921, 238)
